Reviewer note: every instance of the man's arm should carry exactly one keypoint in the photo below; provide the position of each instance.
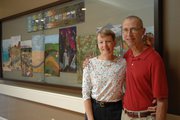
(85, 62)
(88, 109)
(162, 105)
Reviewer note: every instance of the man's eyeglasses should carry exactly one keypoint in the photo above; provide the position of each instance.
(131, 30)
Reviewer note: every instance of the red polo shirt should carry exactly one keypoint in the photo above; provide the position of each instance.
(145, 80)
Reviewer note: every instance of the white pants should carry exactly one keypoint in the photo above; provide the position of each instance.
(124, 116)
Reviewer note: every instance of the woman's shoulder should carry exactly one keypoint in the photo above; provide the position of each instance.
(92, 60)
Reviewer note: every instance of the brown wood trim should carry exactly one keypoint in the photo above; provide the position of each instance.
(35, 10)
(158, 25)
(43, 86)
(0, 49)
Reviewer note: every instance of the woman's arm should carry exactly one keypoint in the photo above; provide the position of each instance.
(86, 92)
(88, 109)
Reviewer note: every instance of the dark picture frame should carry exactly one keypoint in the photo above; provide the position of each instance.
(158, 25)
(158, 31)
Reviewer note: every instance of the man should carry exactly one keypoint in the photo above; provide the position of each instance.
(145, 75)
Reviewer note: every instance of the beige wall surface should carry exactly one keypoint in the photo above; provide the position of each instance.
(172, 52)
(18, 109)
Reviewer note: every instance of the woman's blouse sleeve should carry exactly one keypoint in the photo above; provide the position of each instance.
(86, 85)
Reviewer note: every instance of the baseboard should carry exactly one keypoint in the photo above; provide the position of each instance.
(71, 103)
(1, 118)
(173, 117)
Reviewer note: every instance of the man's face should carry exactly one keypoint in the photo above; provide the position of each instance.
(105, 44)
(132, 32)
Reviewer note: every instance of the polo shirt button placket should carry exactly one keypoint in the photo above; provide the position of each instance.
(132, 62)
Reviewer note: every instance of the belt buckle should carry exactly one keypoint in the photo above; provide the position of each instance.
(101, 104)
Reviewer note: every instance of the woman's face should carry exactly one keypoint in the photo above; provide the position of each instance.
(106, 44)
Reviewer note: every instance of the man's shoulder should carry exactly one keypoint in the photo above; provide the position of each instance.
(154, 57)
(154, 54)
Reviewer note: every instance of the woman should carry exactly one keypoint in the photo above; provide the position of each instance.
(103, 79)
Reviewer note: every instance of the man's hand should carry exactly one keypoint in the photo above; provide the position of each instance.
(86, 61)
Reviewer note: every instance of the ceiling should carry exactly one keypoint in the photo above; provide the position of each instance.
(12, 7)
(129, 4)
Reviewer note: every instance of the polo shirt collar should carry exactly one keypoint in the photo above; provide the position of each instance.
(143, 55)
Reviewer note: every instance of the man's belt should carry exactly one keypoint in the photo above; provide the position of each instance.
(137, 114)
(105, 104)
